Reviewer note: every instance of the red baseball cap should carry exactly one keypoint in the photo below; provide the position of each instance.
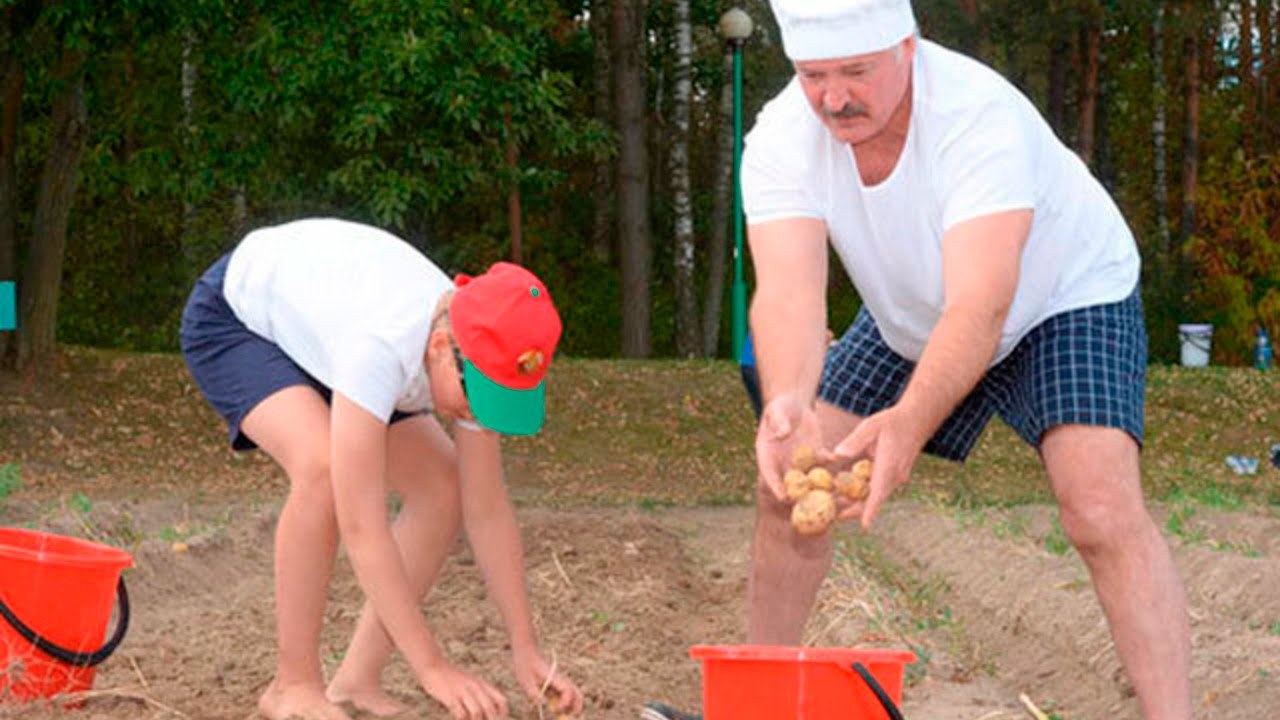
(506, 328)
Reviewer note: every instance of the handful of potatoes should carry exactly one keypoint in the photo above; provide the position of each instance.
(814, 490)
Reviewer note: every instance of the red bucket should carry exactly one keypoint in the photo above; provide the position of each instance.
(768, 682)
(56, 596)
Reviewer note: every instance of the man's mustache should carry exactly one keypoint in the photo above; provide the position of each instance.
(848, 112)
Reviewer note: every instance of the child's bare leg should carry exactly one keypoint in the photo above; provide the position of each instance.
(292, 426)
(422, 468)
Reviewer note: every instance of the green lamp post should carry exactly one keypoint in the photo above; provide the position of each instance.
(736, 27)
(8, 306)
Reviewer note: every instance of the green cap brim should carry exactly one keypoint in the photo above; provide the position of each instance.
(502, 409)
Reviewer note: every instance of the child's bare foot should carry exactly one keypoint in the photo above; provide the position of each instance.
(298, 702)
(373, 700)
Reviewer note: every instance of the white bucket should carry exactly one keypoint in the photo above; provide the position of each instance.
(1196, 340)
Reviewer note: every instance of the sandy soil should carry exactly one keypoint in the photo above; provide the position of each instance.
(993, 611)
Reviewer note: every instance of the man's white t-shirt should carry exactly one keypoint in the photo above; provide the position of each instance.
(975, 146)
(350, 304)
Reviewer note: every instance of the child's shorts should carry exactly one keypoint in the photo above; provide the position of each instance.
(234, 367)
(1085, 366)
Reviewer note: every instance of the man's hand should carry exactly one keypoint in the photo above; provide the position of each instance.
(892, 438)
(785, 423)
(532, 671)
(466, 696)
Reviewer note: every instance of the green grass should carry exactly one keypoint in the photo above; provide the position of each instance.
(10, 479)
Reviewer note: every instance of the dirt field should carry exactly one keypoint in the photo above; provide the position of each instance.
(990, 599)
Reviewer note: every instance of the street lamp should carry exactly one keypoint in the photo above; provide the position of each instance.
(736, 26)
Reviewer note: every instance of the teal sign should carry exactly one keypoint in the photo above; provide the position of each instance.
(8, 306)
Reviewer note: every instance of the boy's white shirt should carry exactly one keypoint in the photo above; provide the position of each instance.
(350, 303)
(976, 146)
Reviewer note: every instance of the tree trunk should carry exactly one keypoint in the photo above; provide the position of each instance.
(514, 224)
(1159, 97)
(128, 148)
(68, 132)
(717, 263)
(1191, 125)
(190, 75)
(1091, 46)
(12, 81)
(1266, 76)
(972, 40)
(1248, 82)
(688, 322)
(602, 172)
(636, 251)
(1059, 64)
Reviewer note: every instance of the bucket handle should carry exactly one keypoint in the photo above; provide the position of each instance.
(881, 695)
(70, 657)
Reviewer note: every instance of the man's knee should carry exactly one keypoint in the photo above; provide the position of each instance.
(1096, 478)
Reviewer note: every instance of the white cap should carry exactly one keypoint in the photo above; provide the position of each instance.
(827, 29)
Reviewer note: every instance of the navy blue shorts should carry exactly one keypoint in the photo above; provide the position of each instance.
(1085, 366)
(234, 367)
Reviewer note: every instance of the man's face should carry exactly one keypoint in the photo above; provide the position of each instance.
(855, 96)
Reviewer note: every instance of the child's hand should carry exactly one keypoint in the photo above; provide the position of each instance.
(466, 696)
(532, 670)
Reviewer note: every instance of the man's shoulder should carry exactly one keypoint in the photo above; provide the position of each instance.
(951, 83)
(785, 124)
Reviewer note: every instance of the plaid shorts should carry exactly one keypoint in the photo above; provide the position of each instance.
(1085, 366)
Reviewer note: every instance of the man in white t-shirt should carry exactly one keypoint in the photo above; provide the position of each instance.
(997, 276)
(325, 343)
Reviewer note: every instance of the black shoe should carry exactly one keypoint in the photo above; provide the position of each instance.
(658, 711)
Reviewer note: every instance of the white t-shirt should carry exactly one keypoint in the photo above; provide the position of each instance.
(975, 146)
(351, 304)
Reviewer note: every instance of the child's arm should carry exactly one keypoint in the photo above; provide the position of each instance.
(358, 465)
(491, 528)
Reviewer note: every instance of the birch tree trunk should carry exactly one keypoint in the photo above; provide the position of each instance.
(68, 133)
(635, 248)
(1266, 76)
(688, 325)
(1191, 126)
(1159, 98)
(717, 263)
(1248, 81)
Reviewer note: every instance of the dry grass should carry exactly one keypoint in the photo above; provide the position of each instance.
(619, 432)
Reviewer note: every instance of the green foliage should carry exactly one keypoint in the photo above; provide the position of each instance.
(401, 114)
(1237, 254)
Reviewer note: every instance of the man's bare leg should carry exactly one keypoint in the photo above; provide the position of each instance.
(788, 568)
(1096, 476)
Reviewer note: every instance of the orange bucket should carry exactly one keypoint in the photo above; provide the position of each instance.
(769, 682)
(56, 596)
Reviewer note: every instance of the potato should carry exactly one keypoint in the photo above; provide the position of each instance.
(855, 483)
(803, 457)
(862, 469)
(814, 512)
(796, 483)
(820, 478)
(851, 485)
